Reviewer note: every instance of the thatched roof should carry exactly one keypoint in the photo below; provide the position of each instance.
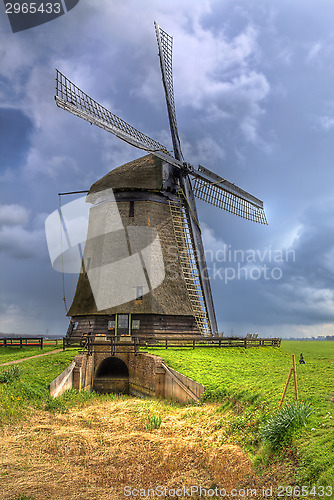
(144, 173)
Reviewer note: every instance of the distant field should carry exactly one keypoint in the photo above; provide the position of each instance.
(258, 373)
(254, 380)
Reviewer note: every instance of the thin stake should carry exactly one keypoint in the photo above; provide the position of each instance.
(285, 388)
(295, 376)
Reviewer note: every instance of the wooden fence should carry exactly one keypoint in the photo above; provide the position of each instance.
(139, 343)
(28, 341)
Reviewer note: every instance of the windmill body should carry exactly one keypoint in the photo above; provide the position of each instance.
(143, 268)
(132, 281)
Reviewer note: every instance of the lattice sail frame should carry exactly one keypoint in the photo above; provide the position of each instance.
(71, 98)
(222, 198)
(165, 46)
(167, 52)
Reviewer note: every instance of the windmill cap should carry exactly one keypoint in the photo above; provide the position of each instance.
(145, 173)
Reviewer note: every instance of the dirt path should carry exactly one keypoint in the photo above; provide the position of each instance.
(30, 357)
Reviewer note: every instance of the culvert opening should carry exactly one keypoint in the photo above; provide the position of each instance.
(112, 368)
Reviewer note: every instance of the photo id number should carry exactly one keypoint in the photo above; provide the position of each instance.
(304, 491)
(33, 8)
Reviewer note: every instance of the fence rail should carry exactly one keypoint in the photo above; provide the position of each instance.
(21, 341)
(137, 343)
(28, 341)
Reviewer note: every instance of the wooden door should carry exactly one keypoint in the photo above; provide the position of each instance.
(122, 324)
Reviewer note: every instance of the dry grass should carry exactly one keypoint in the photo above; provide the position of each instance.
(93, 452)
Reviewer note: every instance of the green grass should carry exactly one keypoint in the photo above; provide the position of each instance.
(279, 429)
(31, 389)
(12, 353)
(250, 382)
(153, 422)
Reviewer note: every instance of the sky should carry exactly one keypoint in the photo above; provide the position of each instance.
(254, 94)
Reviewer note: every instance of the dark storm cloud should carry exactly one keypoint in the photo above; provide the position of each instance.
(293, 285)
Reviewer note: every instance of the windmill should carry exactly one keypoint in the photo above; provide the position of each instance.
(180, 184)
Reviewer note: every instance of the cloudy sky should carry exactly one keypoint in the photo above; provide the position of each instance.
(254, 91)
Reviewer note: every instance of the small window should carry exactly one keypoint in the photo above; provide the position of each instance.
(75, 326)
(139, 293)
(111, 325)
(135, 324)
(132, 209)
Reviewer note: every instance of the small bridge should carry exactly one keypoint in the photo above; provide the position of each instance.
(111, 364)
(127, 372)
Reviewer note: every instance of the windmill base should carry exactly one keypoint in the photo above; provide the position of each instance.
(136, 325)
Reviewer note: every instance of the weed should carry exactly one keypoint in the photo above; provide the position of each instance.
(10, 374)
(218, 425)
(56, 405)
(237, 424)
(279, 429)
(153, 422)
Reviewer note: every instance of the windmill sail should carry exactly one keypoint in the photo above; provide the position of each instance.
(221, 193)
(224, 199)
(195, 251)
(199, 255)
(71, 98)
(165, 45)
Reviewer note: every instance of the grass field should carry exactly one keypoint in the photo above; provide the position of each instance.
(243, 388)
(251, 382)
(8, 354)
(30, 390)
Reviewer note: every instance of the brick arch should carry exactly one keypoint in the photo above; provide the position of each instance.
(112, 367)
